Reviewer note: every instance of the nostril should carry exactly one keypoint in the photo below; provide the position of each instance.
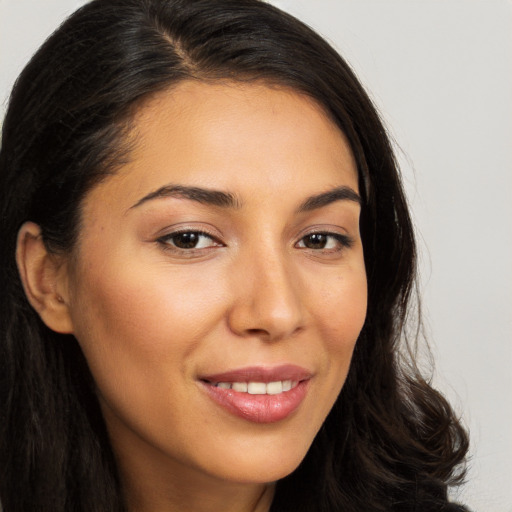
(258, 332)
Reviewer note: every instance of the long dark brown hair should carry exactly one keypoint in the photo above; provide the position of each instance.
(391, 442)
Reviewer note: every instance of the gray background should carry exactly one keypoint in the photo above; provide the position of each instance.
(440, 72)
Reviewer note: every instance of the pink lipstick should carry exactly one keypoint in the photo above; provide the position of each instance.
(259, 394)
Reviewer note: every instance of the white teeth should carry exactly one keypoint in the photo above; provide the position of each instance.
(239, 386)
(274, 388)
(259, 388)
(287, 385)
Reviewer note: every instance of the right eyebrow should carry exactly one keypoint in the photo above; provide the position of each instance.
(198, 194)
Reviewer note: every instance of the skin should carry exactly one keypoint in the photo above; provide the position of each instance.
(152, 318)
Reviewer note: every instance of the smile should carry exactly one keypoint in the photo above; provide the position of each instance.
(259, 394)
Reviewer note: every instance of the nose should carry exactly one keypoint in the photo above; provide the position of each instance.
(267, 298)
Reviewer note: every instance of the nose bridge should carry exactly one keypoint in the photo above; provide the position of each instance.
(267, 300)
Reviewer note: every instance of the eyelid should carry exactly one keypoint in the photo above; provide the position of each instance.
(189, 227)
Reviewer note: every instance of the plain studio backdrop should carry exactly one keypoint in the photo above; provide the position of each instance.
(440, 72)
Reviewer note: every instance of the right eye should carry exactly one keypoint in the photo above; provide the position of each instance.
(188, 240)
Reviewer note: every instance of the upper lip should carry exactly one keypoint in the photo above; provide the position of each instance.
(260, 374)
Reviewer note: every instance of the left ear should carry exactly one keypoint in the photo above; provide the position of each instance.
(44, 278)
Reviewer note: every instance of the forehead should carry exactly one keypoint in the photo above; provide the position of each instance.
(235, 137)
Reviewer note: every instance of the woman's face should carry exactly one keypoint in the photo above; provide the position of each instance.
(218, 287)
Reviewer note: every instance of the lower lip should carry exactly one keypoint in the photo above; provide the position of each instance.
(259, 408)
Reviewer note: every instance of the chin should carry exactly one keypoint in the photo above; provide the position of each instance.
(261, 466)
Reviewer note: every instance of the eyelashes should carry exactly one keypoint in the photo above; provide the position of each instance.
(190, 240)
(193, 242)
(325, 241)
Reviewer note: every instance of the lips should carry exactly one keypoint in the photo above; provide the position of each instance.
(259, 394)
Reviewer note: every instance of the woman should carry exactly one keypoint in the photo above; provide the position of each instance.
(207, 262)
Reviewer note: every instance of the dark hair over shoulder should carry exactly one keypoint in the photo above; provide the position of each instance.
(391, 442)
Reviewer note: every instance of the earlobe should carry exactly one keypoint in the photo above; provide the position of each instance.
(44, 279)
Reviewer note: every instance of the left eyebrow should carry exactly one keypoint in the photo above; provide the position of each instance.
(337, 194)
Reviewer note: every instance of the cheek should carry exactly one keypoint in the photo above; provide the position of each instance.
(342, 305)
(341, 308)
(148, 309)
(139, 328)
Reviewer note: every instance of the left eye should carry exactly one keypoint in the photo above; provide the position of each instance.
(323, 241)
(189, 240)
